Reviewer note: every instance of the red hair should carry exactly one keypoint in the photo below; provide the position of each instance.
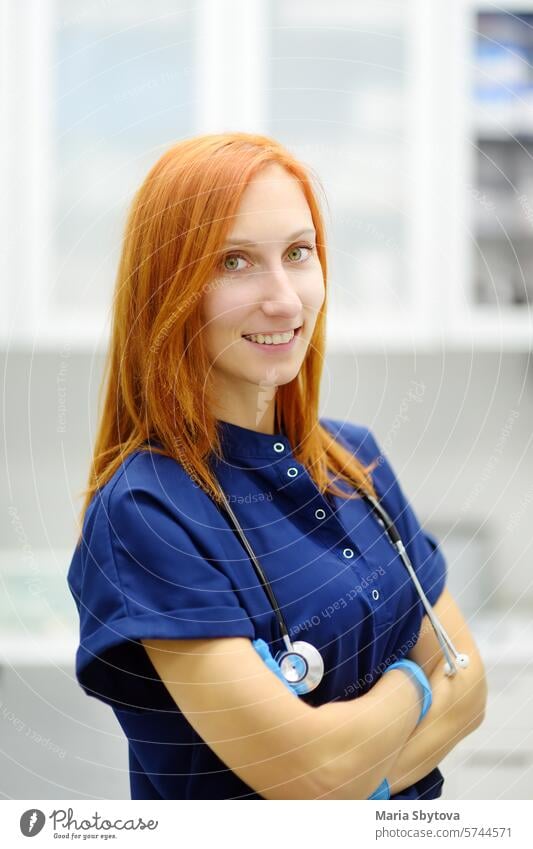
(156, 363)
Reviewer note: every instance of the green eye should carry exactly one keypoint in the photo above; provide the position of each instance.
(298, 248)
(231, 258)
(235, 257)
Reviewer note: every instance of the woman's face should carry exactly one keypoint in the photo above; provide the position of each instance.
(273, 285)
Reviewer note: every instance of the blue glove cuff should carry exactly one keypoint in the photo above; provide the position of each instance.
(381, 792)
(264, 653)
(420, 677)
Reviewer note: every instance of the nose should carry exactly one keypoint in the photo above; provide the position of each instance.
(280, 298)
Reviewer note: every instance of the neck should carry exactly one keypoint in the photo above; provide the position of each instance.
(265, 424)
(257, 412)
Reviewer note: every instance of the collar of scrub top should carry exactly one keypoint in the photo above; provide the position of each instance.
(242, 442)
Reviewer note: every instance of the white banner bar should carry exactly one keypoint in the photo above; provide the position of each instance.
(244, 824)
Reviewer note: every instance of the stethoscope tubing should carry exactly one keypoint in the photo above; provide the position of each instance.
(266, 584)
(384, 519)
(440, 633)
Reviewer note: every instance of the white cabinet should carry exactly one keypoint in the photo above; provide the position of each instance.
(416, 117)
(95, 93)
(489, 142)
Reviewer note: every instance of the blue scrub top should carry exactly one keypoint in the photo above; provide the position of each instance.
(158, 559)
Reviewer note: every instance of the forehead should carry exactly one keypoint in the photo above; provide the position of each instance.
(272, 204)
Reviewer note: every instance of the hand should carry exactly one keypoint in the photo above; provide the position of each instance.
(462, 696)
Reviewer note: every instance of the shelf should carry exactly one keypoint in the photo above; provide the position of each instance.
(38, 615)
(504, 331)
(508, 134)
(515, 6)
(38, 650)
(502, 638)
(489, 234)
(62, 334)
(502, 328)
(493, 329)
(502, 129)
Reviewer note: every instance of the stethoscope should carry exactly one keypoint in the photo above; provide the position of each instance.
(301, 663)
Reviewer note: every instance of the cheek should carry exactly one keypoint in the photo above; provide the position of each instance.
(314, 291)
(222, 313)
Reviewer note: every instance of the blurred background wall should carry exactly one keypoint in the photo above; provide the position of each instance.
(418, 120)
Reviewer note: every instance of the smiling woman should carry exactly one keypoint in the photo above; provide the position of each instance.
(212, 395)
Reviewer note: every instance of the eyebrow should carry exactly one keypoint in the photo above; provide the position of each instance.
(240, 243)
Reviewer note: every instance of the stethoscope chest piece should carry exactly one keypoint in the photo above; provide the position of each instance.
(302, 668)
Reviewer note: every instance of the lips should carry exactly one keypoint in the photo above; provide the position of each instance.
(270, 348)
(271, 332)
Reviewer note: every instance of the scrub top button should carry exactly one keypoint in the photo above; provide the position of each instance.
(348, 552)
(320, 513)
(279, 446)
(375, 594)
(292, 472)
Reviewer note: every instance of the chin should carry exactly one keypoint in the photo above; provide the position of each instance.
(275, 376)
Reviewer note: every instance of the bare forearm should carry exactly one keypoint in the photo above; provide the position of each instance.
(457, 709)
(364, 737)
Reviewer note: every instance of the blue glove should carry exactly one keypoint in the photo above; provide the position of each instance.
(263, 651)
(381, 792)
(419, 676)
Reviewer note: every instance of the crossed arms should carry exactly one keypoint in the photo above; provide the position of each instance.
(286, 749)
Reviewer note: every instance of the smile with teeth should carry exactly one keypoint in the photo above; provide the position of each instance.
(273, 339)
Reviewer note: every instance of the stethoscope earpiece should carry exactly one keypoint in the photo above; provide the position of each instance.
(462, 661)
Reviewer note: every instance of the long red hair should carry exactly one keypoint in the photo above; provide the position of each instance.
(156, 363)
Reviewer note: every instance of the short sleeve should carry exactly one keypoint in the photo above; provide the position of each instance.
(142, 572)
(421, 545)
